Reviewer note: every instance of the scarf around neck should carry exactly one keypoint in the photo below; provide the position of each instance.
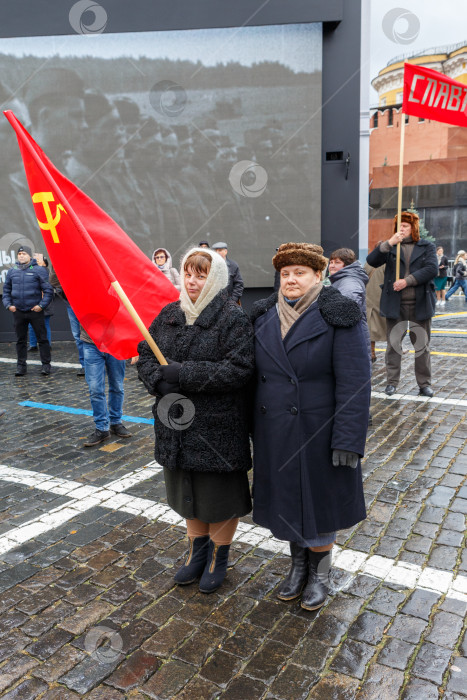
(289, 314)
(217, 279)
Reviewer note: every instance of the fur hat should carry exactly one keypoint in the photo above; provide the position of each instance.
(409, 217)
(307, 254)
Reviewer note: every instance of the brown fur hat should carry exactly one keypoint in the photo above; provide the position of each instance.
(307, 254)
(409, 217)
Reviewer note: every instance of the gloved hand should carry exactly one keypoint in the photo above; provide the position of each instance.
(344, 458)
(163, 388)
(171, 372)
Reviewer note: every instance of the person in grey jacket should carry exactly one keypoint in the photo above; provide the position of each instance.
(348, 276)
(235, 286)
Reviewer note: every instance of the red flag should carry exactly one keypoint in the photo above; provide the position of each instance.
(89, 252)
(432, 95)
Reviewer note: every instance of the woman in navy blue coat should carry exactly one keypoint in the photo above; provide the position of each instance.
(310, 417)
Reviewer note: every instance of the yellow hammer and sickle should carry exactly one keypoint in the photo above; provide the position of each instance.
(44, 198)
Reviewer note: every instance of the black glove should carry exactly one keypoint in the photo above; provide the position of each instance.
(344, 458)
(171, 372)
(163, 388)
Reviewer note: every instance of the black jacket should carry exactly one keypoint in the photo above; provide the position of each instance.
(235, 286)
(443, 272)
(217, 357)
(460, 270)
(423, 266)
(27, 286)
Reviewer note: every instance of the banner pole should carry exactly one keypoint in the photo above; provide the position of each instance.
(399, 193)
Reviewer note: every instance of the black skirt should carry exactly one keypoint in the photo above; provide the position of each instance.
(209, 496)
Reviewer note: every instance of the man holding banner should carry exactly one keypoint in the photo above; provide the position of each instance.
(408, 302)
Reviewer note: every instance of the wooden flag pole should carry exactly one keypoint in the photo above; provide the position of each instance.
(134, 315)
(399, 194)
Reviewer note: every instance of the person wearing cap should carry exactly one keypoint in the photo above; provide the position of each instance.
(235, 286)
(460, 272)
(200, 413)
(26, 293)
(203, 244)
(408, 302)
(310, 417)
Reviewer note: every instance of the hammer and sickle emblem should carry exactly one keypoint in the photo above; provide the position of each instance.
(50, 225)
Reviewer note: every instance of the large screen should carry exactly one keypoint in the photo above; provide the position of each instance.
(180, 136)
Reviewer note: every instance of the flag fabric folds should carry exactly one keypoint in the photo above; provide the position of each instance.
(89, 252)
(432, 95)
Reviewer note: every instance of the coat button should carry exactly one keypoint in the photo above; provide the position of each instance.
(292, 381)
(263, 409)
(263, 378)
(294, 410)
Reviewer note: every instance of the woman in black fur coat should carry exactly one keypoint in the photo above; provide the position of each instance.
(200, 413)
(310, 417)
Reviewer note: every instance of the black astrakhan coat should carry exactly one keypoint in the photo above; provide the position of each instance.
(217, 357)
(312, 396)
(423, 266)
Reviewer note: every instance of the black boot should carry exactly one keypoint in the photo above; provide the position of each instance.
(316, 589)
(292, 586)
(216, 567)
(195, 561)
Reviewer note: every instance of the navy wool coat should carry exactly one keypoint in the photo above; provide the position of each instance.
(217, 358)
(423, 266)
(312, 396)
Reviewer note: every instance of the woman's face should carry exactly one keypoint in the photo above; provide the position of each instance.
(334, 265)
(194, 282)
(440, 251)
(296, 280)
(160, 258)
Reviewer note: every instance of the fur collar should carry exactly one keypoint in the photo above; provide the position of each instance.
(336, 309)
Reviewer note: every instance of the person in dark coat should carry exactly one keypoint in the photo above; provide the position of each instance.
(408, 302)
(26, 293)
(441, 278)
(235, 285)
(312, 394)
(200, 413)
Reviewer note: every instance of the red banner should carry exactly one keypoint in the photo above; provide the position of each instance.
(89, 251)
(432, 95)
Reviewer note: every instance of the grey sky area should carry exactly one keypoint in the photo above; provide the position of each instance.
(296, 46)
(412, 26)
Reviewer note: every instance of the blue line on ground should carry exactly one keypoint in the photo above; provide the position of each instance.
(82, 411)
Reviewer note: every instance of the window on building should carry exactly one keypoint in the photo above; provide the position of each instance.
(375, 120)
(406, 118)
(383, 101)
(421, 119)
(399, 97)
(390, 117)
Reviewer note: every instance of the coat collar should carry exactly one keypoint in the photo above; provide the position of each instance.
(336, 309)
(419, 247)
(207, 317)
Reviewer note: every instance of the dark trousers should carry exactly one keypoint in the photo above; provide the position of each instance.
(36, 319)
(419, 332)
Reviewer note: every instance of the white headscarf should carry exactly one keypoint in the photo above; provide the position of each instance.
(218, 278)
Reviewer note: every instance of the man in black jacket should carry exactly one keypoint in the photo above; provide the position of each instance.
(235, 286)
(408, 302)
(26, 293)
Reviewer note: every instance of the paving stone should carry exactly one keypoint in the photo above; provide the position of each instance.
(17, 574)
(11, 597)
(369, 627)
(74, 577)
(451, 538)
(89, 533)
(88, 673)
(432, 515)
(335, 686)
(244, 687)
(60, 694)
(134, 634)
(363, 585)
(265, 664)
(425, 529)
(165, 641)
(15, 668)
(39, 601)
(382, 683)
(103, 559)
(168, 680)
(108, 576)
(445, 630)
(455, 521)
(49, 643)
(162, 610)
(386, 601)
(458, 674)
(352, 657)
(418, 544)
(198, 688)
(10, 620)
(130, 608)
(42, 622)
(15, 641)
(293, 682)
(220, 668)
(134, 671)
(290, 630)
(233, 610)
(443, 558)
(441, 496)
(201, 644)
(431, 662)
(86, 617)
(105, 694)
(452, 605)
(417, 689)
(311, 654)
(246, 639)
(57, 665)
(328, 629)
(420, 603)
(396, 653)
(26, 691)
(389, 547)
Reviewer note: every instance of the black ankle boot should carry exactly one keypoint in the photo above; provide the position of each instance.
(316, 589)
(292, 586)
(195, 561)
(216, 567)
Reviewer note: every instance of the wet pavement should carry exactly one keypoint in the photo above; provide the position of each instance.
(88, 549)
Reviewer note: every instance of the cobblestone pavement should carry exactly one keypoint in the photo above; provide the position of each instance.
(88, 549)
